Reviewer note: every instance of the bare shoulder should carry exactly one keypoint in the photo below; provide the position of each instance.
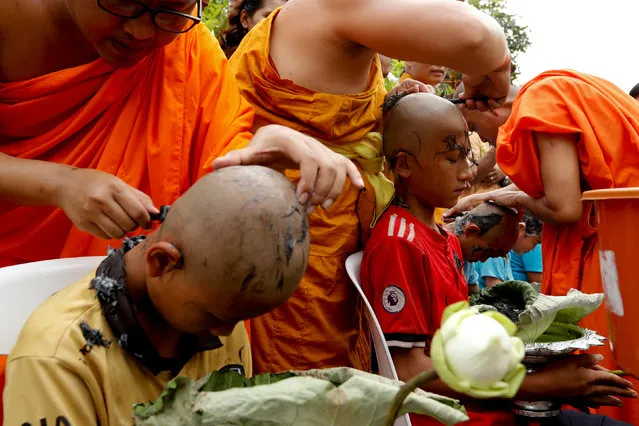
(307, 44)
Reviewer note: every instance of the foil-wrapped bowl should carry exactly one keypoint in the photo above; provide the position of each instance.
(538, 353)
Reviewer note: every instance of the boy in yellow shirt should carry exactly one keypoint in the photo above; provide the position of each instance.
(233, 247)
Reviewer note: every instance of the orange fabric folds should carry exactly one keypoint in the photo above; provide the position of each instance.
(157, 126)
(320, 326)
(607, 121)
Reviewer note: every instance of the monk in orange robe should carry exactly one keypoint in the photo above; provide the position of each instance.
(566, 133)
(93, 137)
(312, 66)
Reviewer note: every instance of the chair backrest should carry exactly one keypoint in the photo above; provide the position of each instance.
(24, 287)
(384, 360)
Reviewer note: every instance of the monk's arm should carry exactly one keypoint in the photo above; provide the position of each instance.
(444, 32)
(560, 174)
(95, 201)
(30, 182)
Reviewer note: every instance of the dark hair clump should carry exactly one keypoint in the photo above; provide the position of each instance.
(233, 34)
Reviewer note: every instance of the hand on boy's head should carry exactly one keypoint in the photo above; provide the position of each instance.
(322, 171)
(410, 86)
(243, 237)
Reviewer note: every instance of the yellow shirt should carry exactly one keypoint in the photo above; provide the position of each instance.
(53, 378)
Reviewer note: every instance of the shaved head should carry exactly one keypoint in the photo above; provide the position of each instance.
(244, 237)
(488, 230)
(419, 118)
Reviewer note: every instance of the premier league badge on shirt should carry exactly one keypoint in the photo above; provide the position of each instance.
(393, 299)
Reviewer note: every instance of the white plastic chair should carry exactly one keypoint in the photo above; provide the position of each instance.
(24, 287)
(384, 360)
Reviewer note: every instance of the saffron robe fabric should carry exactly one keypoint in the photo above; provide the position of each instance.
(322, 324)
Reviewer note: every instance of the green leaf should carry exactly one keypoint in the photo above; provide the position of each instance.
(558, 332)
(174, 406)
(267, 379)
(218, 381)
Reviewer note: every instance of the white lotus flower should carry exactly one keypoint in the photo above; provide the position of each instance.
(477, 354)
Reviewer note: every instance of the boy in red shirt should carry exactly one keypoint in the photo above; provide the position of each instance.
(412, 268)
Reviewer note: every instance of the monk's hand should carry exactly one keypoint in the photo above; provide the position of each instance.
(322, 172)
(506, 198)
(577, 380)
(487, 92)
(411, 86)
(494, 176)
(463, 205)
(102, 204)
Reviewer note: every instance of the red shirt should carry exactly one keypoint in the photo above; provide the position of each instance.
(410, 273)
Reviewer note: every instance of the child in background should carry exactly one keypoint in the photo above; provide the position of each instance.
(499, 269)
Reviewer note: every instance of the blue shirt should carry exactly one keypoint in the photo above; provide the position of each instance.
(471, 273)
(521, 264)
(498, 267)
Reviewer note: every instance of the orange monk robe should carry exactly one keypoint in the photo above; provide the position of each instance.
(320, 326)
(607, 121)
(157, 126)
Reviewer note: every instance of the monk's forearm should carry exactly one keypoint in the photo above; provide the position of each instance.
(440, 32)
(30, 182)
(550, 212)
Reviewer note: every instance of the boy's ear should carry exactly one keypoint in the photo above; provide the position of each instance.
(402, 168)
(244, 19)
(522, 228)
(162, 257)
(471, 230)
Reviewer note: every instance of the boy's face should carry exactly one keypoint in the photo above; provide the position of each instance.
(194, 308)
(212, 299)
(494, 243)
(526, 243)
(441, 170)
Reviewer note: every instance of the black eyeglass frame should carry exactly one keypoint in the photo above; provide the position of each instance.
(154, 12)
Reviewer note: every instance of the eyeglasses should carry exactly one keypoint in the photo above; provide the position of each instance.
(165, 19)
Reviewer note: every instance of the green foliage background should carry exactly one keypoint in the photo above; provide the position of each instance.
(214, 15)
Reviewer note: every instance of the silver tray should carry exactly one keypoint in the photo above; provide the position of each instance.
(541, 351)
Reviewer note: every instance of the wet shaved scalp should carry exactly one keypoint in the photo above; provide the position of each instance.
(486, 216)
(243, 228)
(413, 118)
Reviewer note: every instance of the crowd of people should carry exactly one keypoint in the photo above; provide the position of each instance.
(247, 270)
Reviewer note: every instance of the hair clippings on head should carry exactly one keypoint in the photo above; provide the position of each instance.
(518, 212)
(160, 217)
(457, 101)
